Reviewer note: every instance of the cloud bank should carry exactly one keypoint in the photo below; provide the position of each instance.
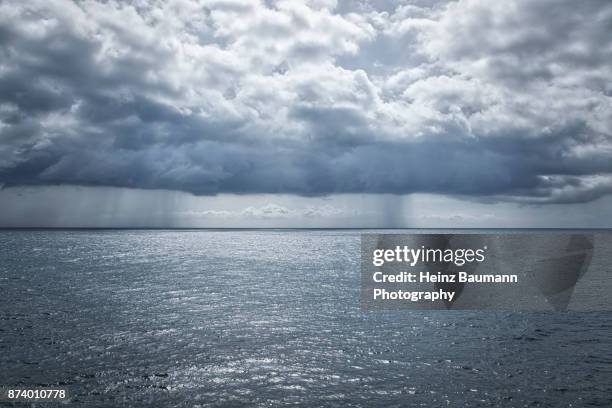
(507, 100)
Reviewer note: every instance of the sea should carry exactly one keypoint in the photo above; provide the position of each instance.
(266, 318)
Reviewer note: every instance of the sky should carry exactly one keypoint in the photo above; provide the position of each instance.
(315, 113)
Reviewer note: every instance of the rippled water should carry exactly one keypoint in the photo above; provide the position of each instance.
(260, 318)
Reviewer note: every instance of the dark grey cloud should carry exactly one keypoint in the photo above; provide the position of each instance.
(509, 100)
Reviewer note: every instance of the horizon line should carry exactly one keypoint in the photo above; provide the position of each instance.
(304, 228)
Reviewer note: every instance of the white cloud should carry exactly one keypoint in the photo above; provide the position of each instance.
(273, 211)
(470, 97)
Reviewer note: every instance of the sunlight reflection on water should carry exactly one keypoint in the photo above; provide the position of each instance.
(162, 318)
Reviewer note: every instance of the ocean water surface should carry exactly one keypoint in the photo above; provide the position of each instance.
(262, 318)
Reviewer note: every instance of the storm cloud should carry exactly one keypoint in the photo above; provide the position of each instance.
(509, 101)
